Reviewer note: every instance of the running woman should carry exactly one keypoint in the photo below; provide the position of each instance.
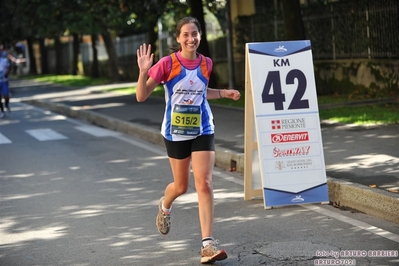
(187, 126)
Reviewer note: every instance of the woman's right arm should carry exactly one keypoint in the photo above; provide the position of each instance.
(145, 85)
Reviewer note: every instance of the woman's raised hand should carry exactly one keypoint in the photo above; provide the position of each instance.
(144, 57)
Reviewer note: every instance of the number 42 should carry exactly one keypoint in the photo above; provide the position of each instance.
(278, 97)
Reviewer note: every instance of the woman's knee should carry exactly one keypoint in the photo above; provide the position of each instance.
(204, 186)
(181, 189)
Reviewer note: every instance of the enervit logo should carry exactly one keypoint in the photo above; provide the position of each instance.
(299, 151)
(289, 137)
(290, 123)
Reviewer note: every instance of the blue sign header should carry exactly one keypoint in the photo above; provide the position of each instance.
(279, 49)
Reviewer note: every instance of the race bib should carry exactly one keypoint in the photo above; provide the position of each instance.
(186, 120)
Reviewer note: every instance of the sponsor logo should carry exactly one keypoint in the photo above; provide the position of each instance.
(291, 123)
(289, 137)
(187, 101)
(276, 124)
(180, 132)
(299, 151)
(298, 198)
(299, 164)
(280, 49)
(280, 165)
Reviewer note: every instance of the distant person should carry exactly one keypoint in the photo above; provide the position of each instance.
(187, 126)
(19, 48)
(4, 91)
(17, 63)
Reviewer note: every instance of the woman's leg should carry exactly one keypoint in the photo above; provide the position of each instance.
(181, 178)
(202, 165)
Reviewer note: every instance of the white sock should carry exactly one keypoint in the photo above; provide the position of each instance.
(206, 241)
(166, 210)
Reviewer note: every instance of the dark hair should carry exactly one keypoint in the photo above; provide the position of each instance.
(180, 24)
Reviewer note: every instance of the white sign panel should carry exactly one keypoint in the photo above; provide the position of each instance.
(287, 123)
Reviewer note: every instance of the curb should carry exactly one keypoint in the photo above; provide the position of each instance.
(375, 202)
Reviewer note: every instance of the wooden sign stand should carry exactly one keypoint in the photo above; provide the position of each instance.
(250, 142)
(284, 160)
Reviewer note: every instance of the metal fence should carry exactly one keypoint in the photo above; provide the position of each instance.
(337, 29)
(125, 49)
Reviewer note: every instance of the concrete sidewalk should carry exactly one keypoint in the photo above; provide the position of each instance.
(362, 163)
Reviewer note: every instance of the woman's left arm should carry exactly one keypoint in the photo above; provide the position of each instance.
(217, 93)
(223, 93)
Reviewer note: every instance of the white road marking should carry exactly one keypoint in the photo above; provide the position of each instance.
(4, 139)
(97, 131)
(45, 134)
(143, 145)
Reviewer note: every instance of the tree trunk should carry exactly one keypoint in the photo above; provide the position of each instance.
(32, 59)
(153, 38)
(197, 11)
(112, 57)
(43, 56)
(294, 28)
(229, 44)
(94, 64)
(75, 56)
(58, 55)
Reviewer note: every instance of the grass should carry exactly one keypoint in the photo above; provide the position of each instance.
(69, 80)
(363, 114)
(340, 98)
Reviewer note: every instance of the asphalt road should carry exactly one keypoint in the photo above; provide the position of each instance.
(75, 194)
(365, 155)
(361, 162)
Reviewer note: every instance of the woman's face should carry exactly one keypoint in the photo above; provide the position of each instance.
(189, 38)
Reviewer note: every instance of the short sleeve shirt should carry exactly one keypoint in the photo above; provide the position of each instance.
(187, 111)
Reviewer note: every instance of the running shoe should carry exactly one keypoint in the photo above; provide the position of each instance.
(163, 220)
(210, 253)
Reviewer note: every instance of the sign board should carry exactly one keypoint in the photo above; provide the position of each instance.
(283, 105)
